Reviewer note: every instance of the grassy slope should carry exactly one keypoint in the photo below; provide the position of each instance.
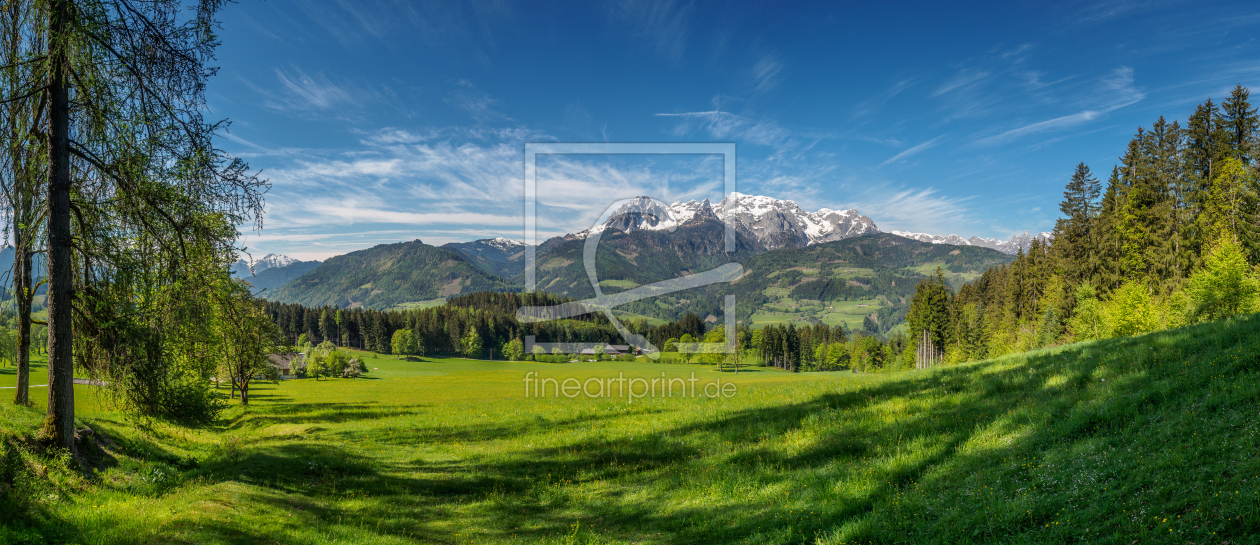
(1152, 439)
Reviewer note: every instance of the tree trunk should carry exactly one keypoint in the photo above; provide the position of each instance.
(59, 424)
(245, 392)
(22, 289)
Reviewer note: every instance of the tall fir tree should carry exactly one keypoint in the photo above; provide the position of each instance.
(1240, 124)
(1074, 233)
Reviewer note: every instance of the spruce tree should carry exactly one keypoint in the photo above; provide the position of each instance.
(1240, 125)
(1074, 232)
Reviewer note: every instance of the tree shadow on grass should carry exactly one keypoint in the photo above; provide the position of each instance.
(319, 413)
(785, 473)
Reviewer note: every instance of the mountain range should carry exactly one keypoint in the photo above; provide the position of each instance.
(642, 241)
(1014, 245)
(271, 271)
(387, 276)
(771, 223)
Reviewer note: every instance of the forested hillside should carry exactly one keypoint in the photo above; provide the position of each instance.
(882, 268)
(388, 275)
(1172, 238)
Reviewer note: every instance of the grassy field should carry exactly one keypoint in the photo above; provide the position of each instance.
(417, 305)
(930, 268)
(623, 284)
(840, 271)
(632, 316)
(833, 313)
(1150, 439)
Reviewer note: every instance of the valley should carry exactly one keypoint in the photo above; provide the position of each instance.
(800, 267)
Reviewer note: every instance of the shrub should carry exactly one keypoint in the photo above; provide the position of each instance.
(1089, 321)
(1129, 312)
(1225, 286)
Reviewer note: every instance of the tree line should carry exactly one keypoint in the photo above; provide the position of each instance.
(1171, 238)
(469, 325)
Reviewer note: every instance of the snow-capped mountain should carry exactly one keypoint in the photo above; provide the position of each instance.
(772, 222)
(505, 244)
(1015, 244)
(782, 224)
(269, 261)
(499, 255)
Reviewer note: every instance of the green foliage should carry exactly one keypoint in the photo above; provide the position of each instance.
(716, 335)
(1231, 208)
(1129, 311)
(514, 350)
(930, 310)
(471, 344)
(685, 354)
(1089, 321)
(327, 361)
(1226, 285)
(404, 343)
(671, 345)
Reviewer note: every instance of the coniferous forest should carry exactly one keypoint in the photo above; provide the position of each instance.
(1171, 238)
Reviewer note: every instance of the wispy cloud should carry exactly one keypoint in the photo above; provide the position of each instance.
(912, 151)
(481, 106)
(870, 106)
(1114, 91)
(401, 184)
(963, 78)
(766, 73)
(314, 91)
(917, 210)
(720, 124)
(310, 95)
(663, 24)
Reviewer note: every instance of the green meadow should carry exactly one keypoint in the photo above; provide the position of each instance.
(832, 313)
(930, 268)
(1149, 439)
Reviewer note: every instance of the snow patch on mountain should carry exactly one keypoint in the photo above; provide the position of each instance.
(270, 261)
(503, 243)
(1017, 242)
(773, 222)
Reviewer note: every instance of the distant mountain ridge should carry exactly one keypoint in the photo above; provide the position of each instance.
(270, 261)
(772, 223)
(1014, 245)
(499, 256)
(642, 241)
(389, 275)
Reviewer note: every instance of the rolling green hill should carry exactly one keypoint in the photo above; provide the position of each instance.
(387, 276)
(1148, 439)
(839, 283)
(846, 281)
(626, 260)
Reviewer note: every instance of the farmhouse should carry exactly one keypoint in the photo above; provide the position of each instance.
(612, 350)
(289, 363)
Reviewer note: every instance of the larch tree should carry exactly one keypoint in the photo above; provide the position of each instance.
(137, 200)
(22, 173)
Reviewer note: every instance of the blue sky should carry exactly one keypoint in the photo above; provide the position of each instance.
(382, 122)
